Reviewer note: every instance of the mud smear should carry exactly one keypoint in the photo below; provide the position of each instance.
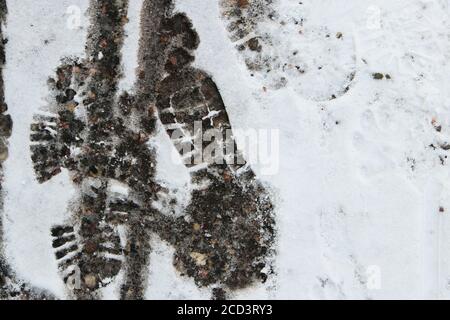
(11, 288)
(251, 25)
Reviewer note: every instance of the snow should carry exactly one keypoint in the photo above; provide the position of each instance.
(358, 189)
(31, 209)
(349, 202)
(131, 45)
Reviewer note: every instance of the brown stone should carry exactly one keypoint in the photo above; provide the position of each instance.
(243, 3)
(91, 281)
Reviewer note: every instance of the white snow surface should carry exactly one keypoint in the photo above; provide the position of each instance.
(359, 189)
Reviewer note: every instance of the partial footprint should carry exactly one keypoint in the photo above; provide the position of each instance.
(279, 44)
